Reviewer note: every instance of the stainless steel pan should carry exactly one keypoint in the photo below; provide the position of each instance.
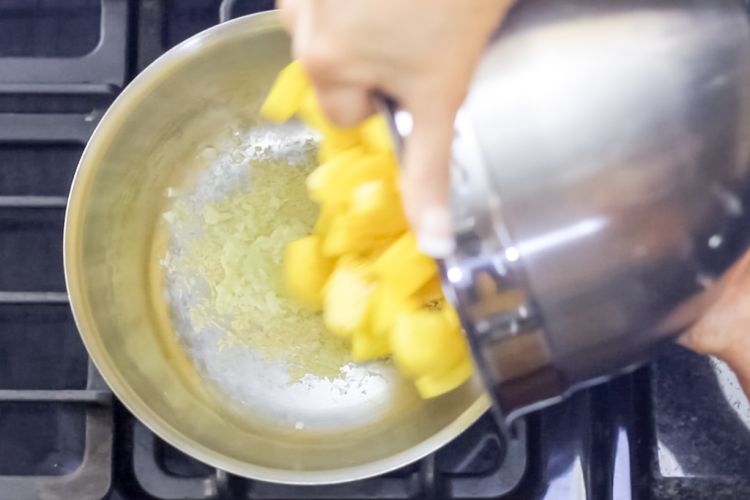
(142, 143)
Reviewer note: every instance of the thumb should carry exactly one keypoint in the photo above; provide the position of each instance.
(425, 180)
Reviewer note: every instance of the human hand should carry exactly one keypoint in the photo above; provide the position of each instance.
(422, 53)
(724, 330)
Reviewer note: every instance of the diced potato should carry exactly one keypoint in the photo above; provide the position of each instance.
(405, 267)
(367, 224)
(345, 235)
(386, 306)
(347, 297)
(376, 205)
(335, 181)
(366, 347)
(362, 263)
(431, 293)
(330, 148)
(451, 315)
(327, 151)
(328, 212)
(306, 270)
(381, 166)
(332, 182)
(424, 342)
(374, 253)
(375, 134)
(354, 234)
(374, 196)
(431, 386)
(373, 218)
(287, 94)
(340, 239)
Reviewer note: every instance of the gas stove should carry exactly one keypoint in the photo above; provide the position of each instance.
(678, 429)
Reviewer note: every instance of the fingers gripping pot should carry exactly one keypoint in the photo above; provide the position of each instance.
(600, 187)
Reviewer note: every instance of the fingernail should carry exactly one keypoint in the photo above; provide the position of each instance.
(434, 235)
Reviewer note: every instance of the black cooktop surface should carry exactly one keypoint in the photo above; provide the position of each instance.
(676, 430)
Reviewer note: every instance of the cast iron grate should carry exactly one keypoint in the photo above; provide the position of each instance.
(479, 464)
(56, 413)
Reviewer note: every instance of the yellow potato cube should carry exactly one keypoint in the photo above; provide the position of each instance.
(287, 94)
(386, 306)
(347, 297)
(376, 205)
(430, 386)
(327, 151)
(374, 196)
(375, 134)
(306, 270)
(328, 212)
(381, 166)
(320, 181)
(451, 315)
(346, 236)
(405, 267)
(374, 253)
(424, 342)
(366, 347)
(330, 147)
(431, 293)
(333, 181)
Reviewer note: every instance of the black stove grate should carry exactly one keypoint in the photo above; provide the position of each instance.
(476, 465)
(28, 50)
(56, 414)
(160, 471)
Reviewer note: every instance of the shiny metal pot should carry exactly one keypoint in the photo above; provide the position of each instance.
(147, 136)
(601, 187)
